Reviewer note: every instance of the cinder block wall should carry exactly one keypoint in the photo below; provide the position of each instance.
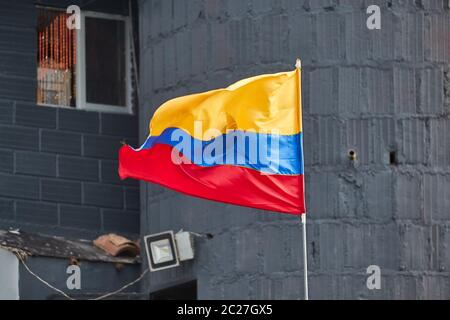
(384, 93)
(58, 167)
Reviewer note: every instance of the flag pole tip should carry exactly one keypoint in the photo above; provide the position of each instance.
(298, 64)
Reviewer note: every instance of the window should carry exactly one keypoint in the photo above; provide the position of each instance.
(56, 59)
(86, 69)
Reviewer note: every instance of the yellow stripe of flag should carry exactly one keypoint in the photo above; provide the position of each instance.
(264, 104)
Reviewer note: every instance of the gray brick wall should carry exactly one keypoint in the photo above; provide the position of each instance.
(58, 167)
(378, 92)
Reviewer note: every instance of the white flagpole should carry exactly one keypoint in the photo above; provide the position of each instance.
(305, 258)
(298, 65)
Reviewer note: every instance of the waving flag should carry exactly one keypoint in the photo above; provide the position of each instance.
(240, 145)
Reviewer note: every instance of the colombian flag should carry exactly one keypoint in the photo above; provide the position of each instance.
(240, 145)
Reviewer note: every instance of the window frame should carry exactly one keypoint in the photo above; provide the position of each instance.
(81, 103)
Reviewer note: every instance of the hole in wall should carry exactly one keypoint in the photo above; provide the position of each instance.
(184, 291)
(352, 154)
(393, 158)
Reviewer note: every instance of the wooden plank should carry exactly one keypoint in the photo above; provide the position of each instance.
(58, 247)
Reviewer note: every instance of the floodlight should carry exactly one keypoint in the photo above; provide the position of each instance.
(161, 251)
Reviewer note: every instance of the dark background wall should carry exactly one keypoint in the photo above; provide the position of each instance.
(383, 93)
(58, 167)
(97, 279)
